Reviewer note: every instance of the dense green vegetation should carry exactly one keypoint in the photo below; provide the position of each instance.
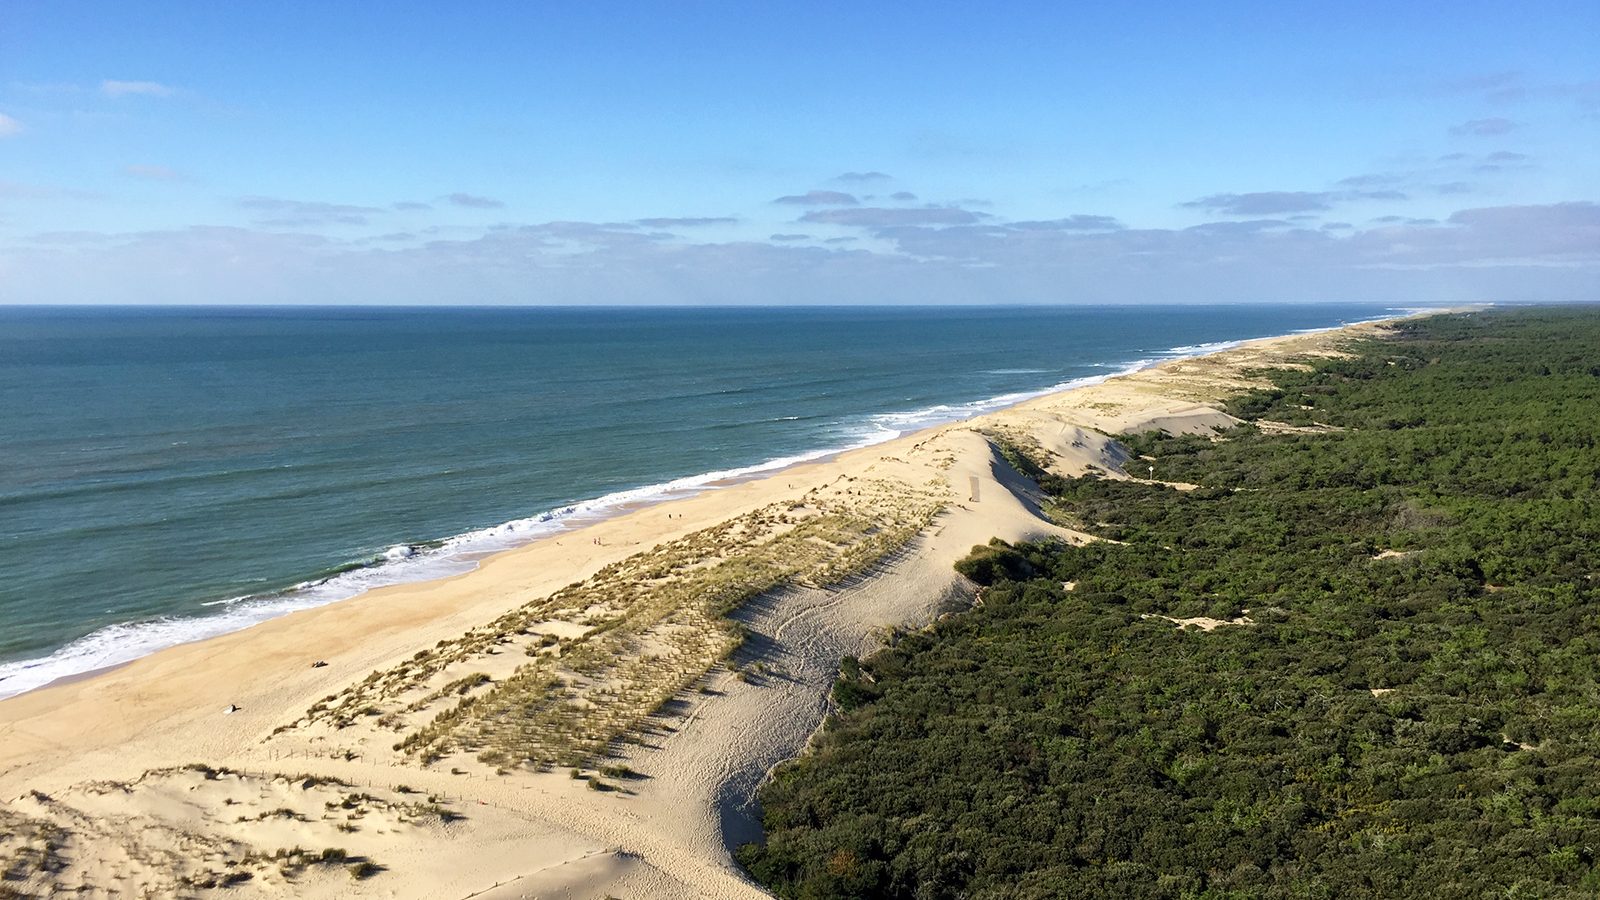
(1421, 724)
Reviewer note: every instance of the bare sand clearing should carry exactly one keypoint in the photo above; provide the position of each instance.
(589, 715)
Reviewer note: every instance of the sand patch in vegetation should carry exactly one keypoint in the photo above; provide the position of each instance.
(1204, 623)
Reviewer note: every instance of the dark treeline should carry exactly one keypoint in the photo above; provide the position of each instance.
(1418, 723)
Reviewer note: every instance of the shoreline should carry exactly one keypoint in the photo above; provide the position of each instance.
(663, 831)
(449, 552)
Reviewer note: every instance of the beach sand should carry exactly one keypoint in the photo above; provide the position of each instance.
(572, 718)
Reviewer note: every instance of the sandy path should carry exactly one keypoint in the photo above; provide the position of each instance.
(703, 777)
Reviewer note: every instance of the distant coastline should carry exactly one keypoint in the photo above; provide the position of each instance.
(120, 642)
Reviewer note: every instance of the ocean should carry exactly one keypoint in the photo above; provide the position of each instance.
(171, 474)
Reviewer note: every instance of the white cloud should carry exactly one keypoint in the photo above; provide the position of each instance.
(819, 198)
(282, 213)
(473, 201)
(1507, 253)
(9, 127)
(1483, 128)
(134, 88)
(879, 217)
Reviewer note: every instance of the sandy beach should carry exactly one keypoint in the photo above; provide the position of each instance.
(586, 716)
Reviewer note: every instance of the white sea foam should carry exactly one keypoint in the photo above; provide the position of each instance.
(893, 425)
(114, 645)
(1415, 310)
(1199, 349)
(117, 644)
(1393, 312)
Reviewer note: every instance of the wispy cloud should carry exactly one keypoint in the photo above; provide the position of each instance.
(150, 173)
(903, 196)
(1249, 226)
(1585, 93)
(787, 238)
(9, 127)
(12, 190)
(1262, 203)
(1071, 223)
(411, 205)
(1496, 87)
(819, 198)
(1376, 180)
(881, 217)
(134, 89)
(685, 221)
(1278, 203)
(46, 88)
(280, 213)
(1516, 253)
(472, 201)
(862, 177)
(1371, 195)
(1579, 220)
(1483, 128)
(1444, 176)
(1563, 235)
(1511, 87)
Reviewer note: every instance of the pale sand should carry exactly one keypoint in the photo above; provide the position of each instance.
(1204, 623)
(111, 814)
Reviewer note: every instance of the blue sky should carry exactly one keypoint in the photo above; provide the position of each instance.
(808, 153)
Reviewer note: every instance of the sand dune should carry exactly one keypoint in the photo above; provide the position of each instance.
(588, 715)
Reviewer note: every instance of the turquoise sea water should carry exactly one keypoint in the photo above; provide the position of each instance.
(172, 474)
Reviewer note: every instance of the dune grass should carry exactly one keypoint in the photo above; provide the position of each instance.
(580, 668)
